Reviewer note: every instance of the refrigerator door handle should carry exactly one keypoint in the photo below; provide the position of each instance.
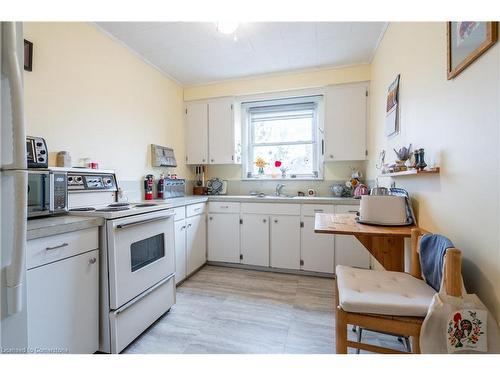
(14, 271)
(12, 61)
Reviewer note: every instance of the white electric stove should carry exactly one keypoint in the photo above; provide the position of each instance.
(137, 256)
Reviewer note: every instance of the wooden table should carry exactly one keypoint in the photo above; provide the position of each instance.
(386, 244)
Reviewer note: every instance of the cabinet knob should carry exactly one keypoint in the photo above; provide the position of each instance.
(210, 218)
(203, 160)
(212, 160)
(331, 156)
(276, 221)
(264, 220)
(92, 260)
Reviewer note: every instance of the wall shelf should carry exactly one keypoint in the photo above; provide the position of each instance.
(411, 172)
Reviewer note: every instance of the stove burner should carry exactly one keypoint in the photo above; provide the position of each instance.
(83, 209)
(119, 204)
(145, 205)
(113, 209)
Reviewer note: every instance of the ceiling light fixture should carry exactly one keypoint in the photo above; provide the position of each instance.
(227, 27)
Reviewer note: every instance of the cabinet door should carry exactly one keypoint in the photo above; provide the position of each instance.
(317, 250)
(348, 250)
(224, 238)
(285, 242)
(221, 141)
(63, 304)
(255, 240)
(197, 133)
(196, 242)
(180, 250)
(345, 122)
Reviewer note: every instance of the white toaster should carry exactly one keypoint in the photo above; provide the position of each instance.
(383, 210)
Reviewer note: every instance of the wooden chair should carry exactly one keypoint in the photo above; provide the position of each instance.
(395, 323)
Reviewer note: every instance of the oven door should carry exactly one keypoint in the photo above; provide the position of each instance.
(38, 193)
(140, 253)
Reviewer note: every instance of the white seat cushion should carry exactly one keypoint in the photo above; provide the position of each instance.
(382, 292)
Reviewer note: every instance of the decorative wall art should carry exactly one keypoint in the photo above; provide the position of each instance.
(28, 55)
(392, 113)
(467, 40)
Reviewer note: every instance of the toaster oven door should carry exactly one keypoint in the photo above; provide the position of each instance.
(38, 193)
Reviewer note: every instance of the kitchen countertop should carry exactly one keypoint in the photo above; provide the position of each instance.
(49, 226)
(52, 225)
(273, 199)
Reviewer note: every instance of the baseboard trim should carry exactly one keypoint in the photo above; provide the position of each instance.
(269, 269)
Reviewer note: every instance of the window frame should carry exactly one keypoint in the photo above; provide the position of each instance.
(317, 136)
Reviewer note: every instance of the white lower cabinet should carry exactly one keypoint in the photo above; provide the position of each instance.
(285, 242)
(254, 245)
(279, 236)
(63, 300)
(348, 250)
(317, 250)
(224, 237)
(180, 250)
(196, 237)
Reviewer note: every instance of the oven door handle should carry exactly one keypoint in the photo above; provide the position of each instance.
(142, 295)
(140, 222)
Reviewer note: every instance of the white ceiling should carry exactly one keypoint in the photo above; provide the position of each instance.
(196, 53)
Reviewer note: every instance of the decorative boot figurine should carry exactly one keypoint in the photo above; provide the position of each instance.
(421, 162)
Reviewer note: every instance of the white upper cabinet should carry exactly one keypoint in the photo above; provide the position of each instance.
(345, 122)
(196, 133)
(221, 131)
(212, 134)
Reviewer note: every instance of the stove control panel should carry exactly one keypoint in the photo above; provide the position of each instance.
(91, 182)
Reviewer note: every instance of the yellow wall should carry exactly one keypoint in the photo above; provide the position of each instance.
(90, 96)
(281, 82)
(457, 122)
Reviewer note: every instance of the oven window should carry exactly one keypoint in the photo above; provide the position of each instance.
(147, 251)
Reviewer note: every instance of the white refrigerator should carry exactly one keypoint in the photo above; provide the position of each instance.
(13, 189)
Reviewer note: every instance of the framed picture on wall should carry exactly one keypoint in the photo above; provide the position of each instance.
(28, 55)
(467, 40)
(391, 110)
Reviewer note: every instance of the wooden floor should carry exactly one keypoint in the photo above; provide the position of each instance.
(229, 310)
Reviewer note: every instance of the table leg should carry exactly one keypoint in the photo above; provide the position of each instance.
(389, 251)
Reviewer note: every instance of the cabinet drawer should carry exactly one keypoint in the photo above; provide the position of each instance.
(270, 208)
(195, 209)
(45, 250)
(312, 209)
(224, 207)
(179, 213)
(346, 209)
(136, 316)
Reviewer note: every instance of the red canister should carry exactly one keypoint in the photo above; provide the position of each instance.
(148, 187)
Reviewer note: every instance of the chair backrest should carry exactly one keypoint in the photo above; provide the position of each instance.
(453, 264)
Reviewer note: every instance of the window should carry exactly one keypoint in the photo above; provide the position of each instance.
(282, 138)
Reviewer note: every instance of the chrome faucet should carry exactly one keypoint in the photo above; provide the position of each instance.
(278, 189)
